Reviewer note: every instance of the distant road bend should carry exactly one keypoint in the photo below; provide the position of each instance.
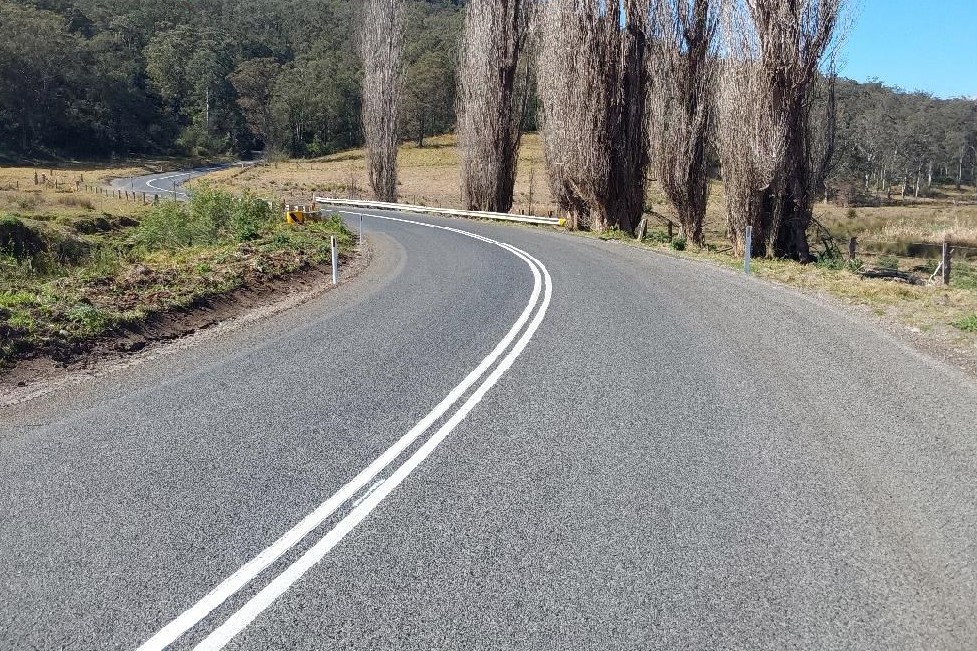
(502, 437)
(165, 185)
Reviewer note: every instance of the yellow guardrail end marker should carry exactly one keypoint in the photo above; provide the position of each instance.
(562, 222)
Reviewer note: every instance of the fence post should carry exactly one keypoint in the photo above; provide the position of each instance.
(748, 250)
(852, 245)
(947, 254)
(335, 260)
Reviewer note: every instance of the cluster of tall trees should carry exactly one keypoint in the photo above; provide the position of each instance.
(92, 78)
(624, 83)
(892, 141)
(622, 91)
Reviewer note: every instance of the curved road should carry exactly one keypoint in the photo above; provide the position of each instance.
(519, 439)
(166, 185)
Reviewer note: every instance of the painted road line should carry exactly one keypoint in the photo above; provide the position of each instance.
(189, 175)
(149, 184)
(191, 617)
(237, 622)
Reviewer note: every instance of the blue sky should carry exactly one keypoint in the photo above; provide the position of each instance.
(928, 45)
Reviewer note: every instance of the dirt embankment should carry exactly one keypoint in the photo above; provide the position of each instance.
(258, 299)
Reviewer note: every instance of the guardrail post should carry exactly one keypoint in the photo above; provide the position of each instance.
(335, 260)
(749, 250)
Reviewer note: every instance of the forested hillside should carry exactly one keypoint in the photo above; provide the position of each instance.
(93, 78)
(96, 78)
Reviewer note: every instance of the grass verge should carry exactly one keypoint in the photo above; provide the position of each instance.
(69, 279)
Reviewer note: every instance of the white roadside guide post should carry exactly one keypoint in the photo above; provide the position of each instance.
(335, 261)
(361, 231)
(749, 250)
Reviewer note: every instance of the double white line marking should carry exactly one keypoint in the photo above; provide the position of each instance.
(534, 314)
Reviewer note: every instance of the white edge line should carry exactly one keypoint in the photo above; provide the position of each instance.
(261, 601)
(246, 573)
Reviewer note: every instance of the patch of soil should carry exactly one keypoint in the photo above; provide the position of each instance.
(257, 300)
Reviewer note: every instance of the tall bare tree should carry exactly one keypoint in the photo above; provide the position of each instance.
(592, 80)
(775, 161)
(492, 99)
(381, 47)
(681, 62)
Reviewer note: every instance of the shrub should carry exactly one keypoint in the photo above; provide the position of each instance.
(211, 213)
(167, 226)
(658, 236)
(889, 262)
(251, 216)
(679, 243)
(19, 240)
(212, 216)
(89, 319)
(830, 262)
(968, 324)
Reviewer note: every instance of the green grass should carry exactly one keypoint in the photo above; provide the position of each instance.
(967, 324)
(963, 276)
(85, 283)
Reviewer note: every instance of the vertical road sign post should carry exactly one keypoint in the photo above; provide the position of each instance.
(945, 263)
(749, 250)
(335, 261)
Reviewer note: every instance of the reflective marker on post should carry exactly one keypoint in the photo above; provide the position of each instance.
(335, 261)
(749, 250)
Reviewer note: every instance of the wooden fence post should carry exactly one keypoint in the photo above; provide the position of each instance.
(852, 246)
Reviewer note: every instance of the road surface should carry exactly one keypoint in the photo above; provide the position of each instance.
(520, 439)
(167, 185)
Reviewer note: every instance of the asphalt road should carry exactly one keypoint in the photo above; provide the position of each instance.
(657, 454)
(168, 185)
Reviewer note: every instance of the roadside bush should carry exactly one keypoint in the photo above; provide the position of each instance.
(211, 212)
(888, 262)
(679, 243)
(212, 216)
(167, 226)
(968, 324)
(830, 262)
(251, 216)
(658, 236)
(17, 239)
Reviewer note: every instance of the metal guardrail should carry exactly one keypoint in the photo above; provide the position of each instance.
(403, 207)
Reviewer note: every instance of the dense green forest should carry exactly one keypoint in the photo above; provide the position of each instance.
(96, 78)
(102, 78)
